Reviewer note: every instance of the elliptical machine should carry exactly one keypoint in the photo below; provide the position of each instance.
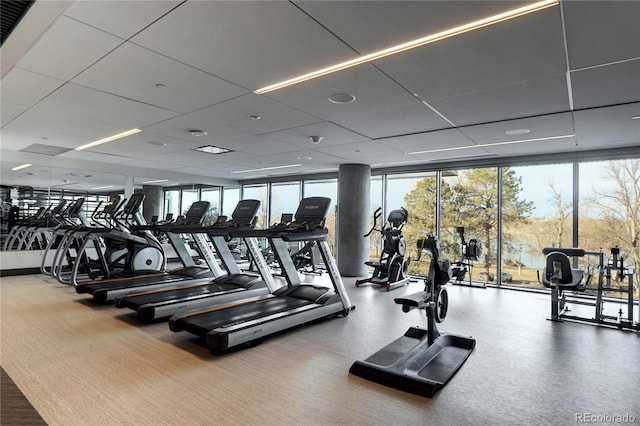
(470, 251)
(391, 270)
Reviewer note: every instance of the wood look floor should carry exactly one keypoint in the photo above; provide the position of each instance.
(81, 364)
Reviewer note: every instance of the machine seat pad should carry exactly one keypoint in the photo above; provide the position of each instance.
(415, 299)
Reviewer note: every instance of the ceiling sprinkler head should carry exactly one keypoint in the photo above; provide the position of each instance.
(316, 139)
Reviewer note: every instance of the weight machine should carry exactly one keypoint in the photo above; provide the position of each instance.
(562, 278)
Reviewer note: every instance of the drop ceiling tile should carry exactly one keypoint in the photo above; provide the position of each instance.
(120, 18)
(98, 108)
(252, 43)
(608, 127)
(443, 139)
(237, 113)
(97, 157)
(507, 54)
(469, 153)
(331, 135)
(24, 87)
(535, 97)
(606, 85)
(381, 107)
(139, 70)
(144, 145)
(367, 152)
(535, 147)
(538, 127)
(369, 26)
(599, 32)
(67, 48)
(16, 137)
(10, 111)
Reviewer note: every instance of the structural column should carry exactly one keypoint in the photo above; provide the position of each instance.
(354, 181)
(152, 205)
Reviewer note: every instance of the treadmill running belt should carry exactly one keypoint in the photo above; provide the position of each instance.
(170, 296)
(202, 324)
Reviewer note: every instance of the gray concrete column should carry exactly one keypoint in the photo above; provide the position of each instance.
(152, 204)
(354, 182)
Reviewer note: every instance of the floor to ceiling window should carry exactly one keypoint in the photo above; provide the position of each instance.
(470, 201)
(189, 196)
(416, 192)
(172, 202)
(230, 198)
(325, 188)
(537, 212)
(212, 195)
(285, 198)
(261, 193)
(609, 212)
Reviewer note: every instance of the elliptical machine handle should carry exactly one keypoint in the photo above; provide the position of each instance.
(376, 215)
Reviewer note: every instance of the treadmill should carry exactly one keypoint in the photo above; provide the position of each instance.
(248, 321)
(106, 290)
(235, 285)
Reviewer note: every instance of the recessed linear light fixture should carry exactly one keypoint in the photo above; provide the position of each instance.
(482, 145)
(155, 181)
(451, 32)
(22, 166)
(210, 149)
(102, 187)
(109, 139)
(267, 168)
(514, 132)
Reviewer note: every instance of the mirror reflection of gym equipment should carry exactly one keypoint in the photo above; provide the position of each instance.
(391, 271)
(471, 251)
(569, 284)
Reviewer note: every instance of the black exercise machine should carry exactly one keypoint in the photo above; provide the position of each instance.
(559, 276)
(248, 321)
(470, 252)
(391, 271)
(421, 361)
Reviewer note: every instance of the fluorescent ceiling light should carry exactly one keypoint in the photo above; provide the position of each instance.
(103, 187)
(156, 181)
(109, 139)
(210, 149)
(510, 14)
(23, 166)
(267, 168)
(482, 145)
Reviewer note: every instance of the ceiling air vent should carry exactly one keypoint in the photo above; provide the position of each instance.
(11, 12)
(51, 150)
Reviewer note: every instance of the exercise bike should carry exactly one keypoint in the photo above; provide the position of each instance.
(391, 270)
(421, 361)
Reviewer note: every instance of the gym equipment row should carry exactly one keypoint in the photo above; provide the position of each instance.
(568, 283)
(34, 232)
(231, 308)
